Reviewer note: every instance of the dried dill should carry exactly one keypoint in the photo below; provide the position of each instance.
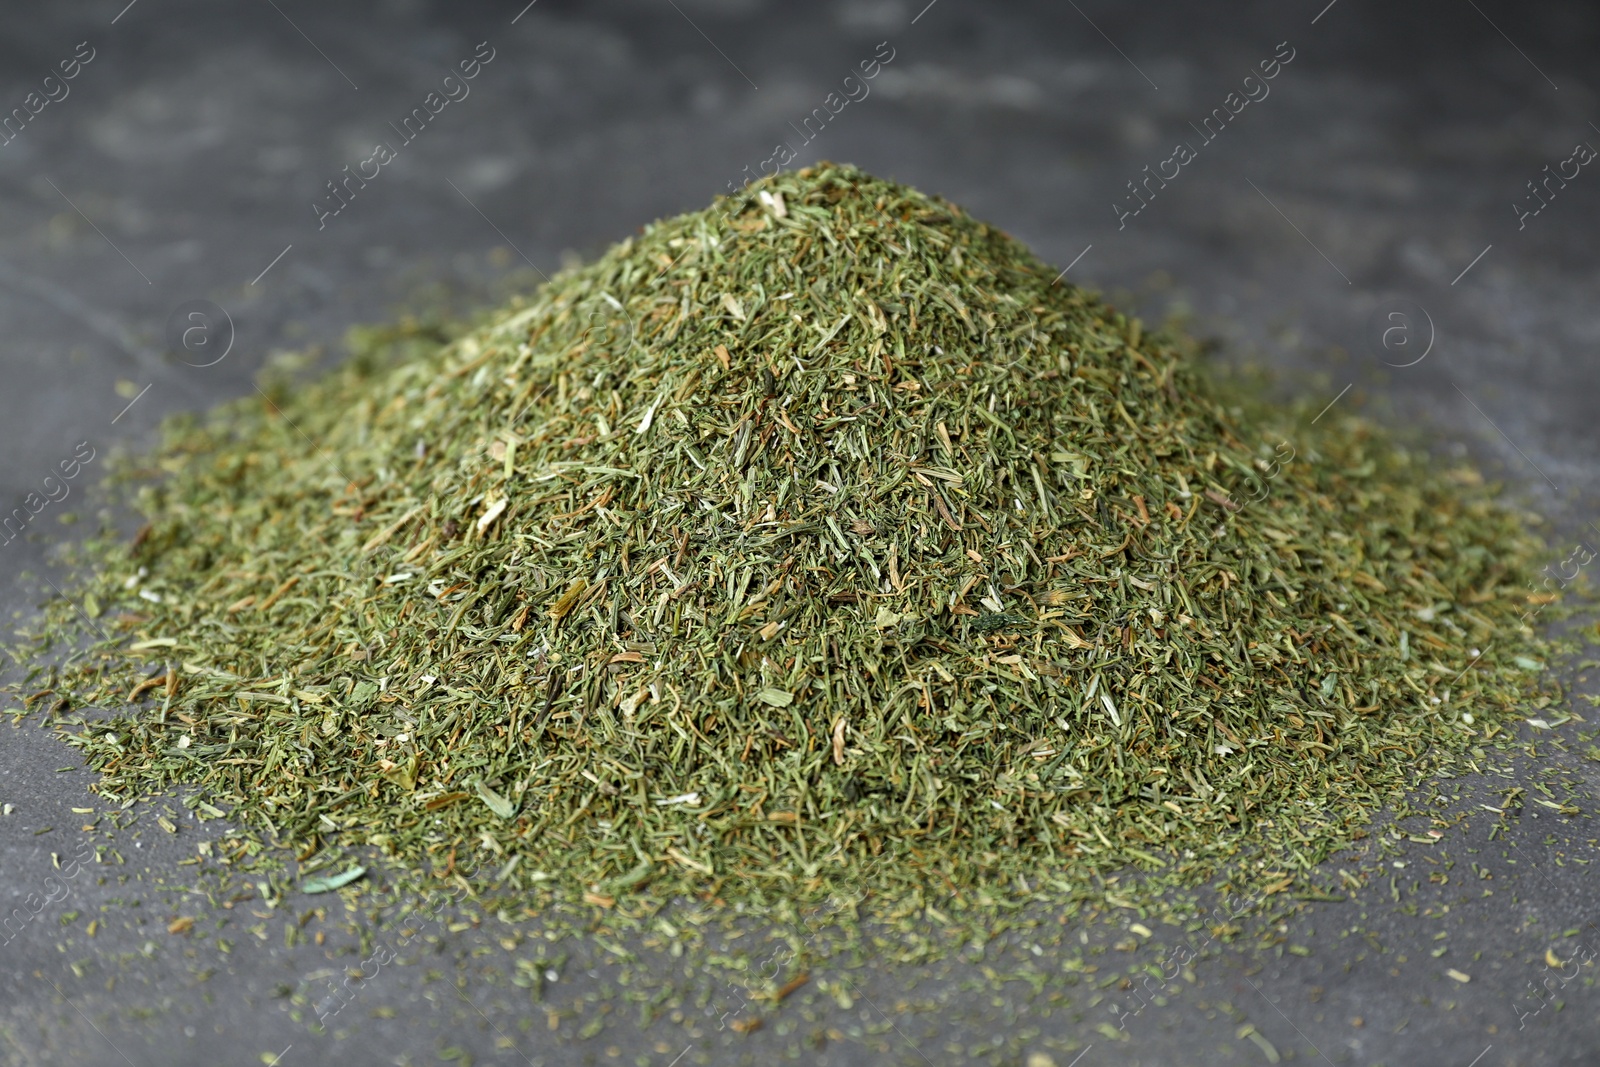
(829, 541)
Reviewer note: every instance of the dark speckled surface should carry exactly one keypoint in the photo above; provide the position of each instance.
(1383, 166)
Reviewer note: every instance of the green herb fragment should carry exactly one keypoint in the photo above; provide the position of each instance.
(495, 802)
(332, 882)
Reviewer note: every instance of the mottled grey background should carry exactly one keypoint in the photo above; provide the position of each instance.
(1384, 162)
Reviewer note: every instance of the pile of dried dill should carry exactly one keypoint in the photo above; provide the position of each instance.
(827, 539)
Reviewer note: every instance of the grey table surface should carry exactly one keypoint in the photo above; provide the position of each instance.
(1387, 169)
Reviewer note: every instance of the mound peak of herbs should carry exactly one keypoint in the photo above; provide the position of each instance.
(828, 537)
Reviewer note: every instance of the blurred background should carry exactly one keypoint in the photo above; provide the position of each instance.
(1401, 220)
